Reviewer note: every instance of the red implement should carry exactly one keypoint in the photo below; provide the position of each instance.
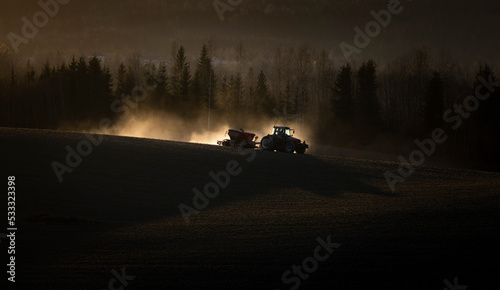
(239, 138)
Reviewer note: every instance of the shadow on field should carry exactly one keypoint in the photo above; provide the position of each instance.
(119, 209)
(272, 171)
(135, 180)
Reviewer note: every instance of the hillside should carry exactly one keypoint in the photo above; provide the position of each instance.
(120, 208)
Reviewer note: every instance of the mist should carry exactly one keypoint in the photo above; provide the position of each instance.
(154, 124)
(114, 29)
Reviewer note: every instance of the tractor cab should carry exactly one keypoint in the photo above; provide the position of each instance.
(280, 130)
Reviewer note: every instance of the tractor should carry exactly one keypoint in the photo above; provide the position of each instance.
(282, 140)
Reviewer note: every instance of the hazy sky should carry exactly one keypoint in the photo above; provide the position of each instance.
(468, 28)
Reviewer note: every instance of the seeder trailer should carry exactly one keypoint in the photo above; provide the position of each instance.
(239, 138)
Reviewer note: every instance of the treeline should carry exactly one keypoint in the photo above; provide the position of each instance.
(351, 105)
(67, 93)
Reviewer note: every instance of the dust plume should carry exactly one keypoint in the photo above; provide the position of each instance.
(154, 124)
(157, 124)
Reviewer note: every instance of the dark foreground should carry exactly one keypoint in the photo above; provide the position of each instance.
(119, 210)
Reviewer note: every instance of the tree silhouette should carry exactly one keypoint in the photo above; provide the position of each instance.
(368, 107)
(485, 122)
(124, 81)
(204, 83)
(46, 71)
(161, 92)
(343, 93)
(180, 78)
(30, 73)
(249, 96)
(235, 89)
(100, 91)
(432, 104)
(264, 102)
(229, 96)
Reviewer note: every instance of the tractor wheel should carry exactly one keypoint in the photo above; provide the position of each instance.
(289, 147)
(301, 150)
(267, 143)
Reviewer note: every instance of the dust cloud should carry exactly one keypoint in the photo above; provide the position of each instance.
(155, 124)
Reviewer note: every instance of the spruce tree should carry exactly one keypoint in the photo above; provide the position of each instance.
(204, 82)
(368, 108)
(180, 78)
(485, 121)
(432, 103)
(342, 95)
(30, 73)
(125, 81)
(161, 89)
(264, 103)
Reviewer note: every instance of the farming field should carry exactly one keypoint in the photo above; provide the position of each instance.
(132, 214)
